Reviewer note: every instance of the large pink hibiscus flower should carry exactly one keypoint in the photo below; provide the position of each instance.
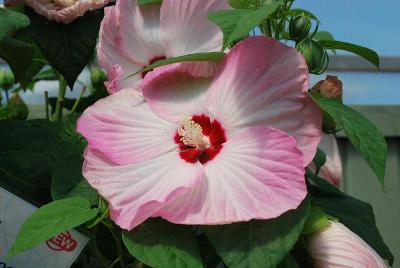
(198, 150)
(133, 36)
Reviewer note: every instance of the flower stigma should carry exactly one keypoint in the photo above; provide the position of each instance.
(191, 134)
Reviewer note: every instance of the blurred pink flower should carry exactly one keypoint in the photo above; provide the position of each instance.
(60, 10)
(337, 247)
(332, 169)
(133, 36)
(202, 150)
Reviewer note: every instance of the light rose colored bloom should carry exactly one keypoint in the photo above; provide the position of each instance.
(338, 247)
(332, 169)
(201, 150)
(331, 87)
(61, 10)
(133, 36)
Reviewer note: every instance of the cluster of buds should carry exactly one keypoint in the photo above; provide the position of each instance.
(312, 50)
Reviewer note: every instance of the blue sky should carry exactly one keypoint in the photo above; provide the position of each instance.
(371, 23)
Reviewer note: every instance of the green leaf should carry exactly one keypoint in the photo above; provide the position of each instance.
(258, 243)
(319, 160)
(68, 47)
(288, 262)
(364, 135)
(323, 35)
(206, 56)
(158, 243)
(68, 181)
(317, 219)
(51, 220)
(26, 174)
(11, 21)
(361, 51)
(244, 4)
(357, 215)
(237, 23)
(145, 2)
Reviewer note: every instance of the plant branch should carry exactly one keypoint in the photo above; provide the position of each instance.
(62, 88)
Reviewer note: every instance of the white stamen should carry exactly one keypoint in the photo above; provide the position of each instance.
(192, 134)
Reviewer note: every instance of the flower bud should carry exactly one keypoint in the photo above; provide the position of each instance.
(299, 27)
(6, 79)
(331, 170)
(336, 246)
(331, 87)
(15, 109)
(97, 77)
(314, 54)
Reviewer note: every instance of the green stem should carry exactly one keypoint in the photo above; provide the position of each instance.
(46, 103)
(62, 88)
(96, 252)
(7, 95)
(118, 241)
(78, 100)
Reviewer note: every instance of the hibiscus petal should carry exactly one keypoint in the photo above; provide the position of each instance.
(176, 90)
(111, 57)
(123, 128)
(262, 81)
(186, 27)
(137, 191)
(258, 174)
(139, 27)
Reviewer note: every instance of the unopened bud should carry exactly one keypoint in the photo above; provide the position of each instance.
(331, 87)
(299, 27)
(97, 77)
(6, 79)
(315, 55)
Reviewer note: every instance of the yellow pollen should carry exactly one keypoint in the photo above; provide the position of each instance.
(192, 134)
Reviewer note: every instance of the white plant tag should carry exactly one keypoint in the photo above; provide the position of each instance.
(58, 252)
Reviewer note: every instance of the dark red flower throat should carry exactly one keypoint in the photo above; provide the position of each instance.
(199, 139)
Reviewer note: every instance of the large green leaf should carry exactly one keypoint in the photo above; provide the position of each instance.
(364, 135)
(11, 21)
(68, 47)
(244, 4)
(205, 56)
(26, 174)
(51, 220)
(258, 243)
(68, 181)
(288, 262)
(158, 243)
(237, 23)
(56, 142)
(357, 215)
(361, 51)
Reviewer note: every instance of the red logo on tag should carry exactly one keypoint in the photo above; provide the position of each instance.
(62, 242)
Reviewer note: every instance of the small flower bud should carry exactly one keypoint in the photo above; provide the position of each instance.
(15, 109)
(6, 79)
(97, 77)
(331, 87)
(299, 27)
(314, 54)
(337, 246)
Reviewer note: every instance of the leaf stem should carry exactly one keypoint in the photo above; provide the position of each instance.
(78, 99)
(118, 241)
(96, 252)
(46, 103)
(62, 88)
